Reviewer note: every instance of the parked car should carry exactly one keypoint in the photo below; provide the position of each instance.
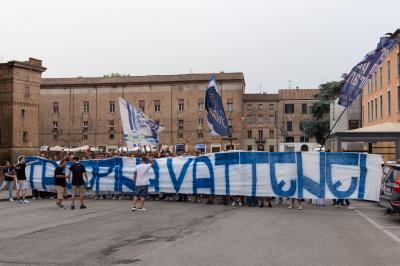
(390, 188)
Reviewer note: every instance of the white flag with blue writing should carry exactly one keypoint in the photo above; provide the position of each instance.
(138, 128)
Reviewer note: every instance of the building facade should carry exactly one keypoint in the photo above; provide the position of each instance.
(85, 111)
(293, 108)
(73, 112)
(19, 107)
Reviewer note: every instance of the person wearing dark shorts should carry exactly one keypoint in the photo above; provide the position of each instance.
(77, 171)
(141, 178)
(59, 182)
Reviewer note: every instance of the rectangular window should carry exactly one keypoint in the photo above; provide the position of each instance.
(260, 107)
(142, 105)
(260, 119)
(230, 105)
(85, 136)
(22, 113)
(85, 125)
(369, 87)
(111, 125)
(289, 108)
(381, 105)
(289, 125)
(301, 126)
(375, 81)
(56, 106)
(86, 106)
(389, 103)
(260, 134)
(249, 147)
(380, 77)
(111, 136)
(304, 139)
(369, 111)
(201, 121)
(376, 108)
(304, 108)
(180, 135)
(25, 136)
(398, 64)
(398, 99)
(271, 106)
(249, 134)
(157, 107)
(388, 71)
(111, 106)
(181, 105)
(372, 110)
(200, 106)
(271, 134)
(180, 124)
(249, 107)
(200, 135)
(249, 119)
(230, 122)
(271, 148)
(289, 139)
(272, 119)
(26, 91)
(55, 125)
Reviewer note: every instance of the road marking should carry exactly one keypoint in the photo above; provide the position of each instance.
(378, 226)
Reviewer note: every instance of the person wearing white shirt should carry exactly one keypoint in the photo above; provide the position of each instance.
(141, 178)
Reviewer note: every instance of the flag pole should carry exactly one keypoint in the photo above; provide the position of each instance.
(330, 131)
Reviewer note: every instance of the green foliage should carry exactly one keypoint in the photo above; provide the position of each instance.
(112, 75)
(319, 126)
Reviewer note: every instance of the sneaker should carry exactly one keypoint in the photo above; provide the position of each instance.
(133, 209)
(113, 198)
(290, 207)
(350, 207)
(233, 203)
(83, 206)
(120, 197)
(11, 200)
(335, 206)
(72, 207)
(60, 206)
(142, 209)
(240, 204)
(26, 201)
(300, 208)
(33, 198)
(269, 205)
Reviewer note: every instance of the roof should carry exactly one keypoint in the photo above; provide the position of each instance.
(297, 94)
(261, 97)
(181, 78)
(384, 127)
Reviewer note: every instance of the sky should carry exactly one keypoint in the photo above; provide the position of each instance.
(276, 44)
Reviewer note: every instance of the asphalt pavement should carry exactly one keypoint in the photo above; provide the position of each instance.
(174, 233)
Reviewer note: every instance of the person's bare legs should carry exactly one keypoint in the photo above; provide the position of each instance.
(134, 201)
(141, 202)
(23, 194)
(81, 195)
(73, 193)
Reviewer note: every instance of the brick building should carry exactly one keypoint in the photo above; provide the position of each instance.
(73, 112)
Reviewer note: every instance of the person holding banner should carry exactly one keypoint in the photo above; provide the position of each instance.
(78, 171)
(141, 178)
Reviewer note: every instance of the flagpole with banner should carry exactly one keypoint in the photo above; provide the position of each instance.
(138, 128)
(361, 73)
(216, 118)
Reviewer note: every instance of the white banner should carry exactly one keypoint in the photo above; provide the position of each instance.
(276, 174)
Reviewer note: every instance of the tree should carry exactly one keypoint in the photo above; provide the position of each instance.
(319, 126)
(116, 74)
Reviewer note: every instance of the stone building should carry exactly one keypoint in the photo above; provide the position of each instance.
(19, 107)
(85, 111)
(294, 107)
(260, 113)
(73, 112)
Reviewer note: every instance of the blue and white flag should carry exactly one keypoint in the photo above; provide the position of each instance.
(216, 119)
(138, 128)
(362, 72)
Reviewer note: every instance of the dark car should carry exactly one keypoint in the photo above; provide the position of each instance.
(390, 189)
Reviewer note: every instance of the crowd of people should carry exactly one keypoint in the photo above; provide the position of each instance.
(13, 176)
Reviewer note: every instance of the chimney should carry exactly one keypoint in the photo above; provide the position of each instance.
(35, 62)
